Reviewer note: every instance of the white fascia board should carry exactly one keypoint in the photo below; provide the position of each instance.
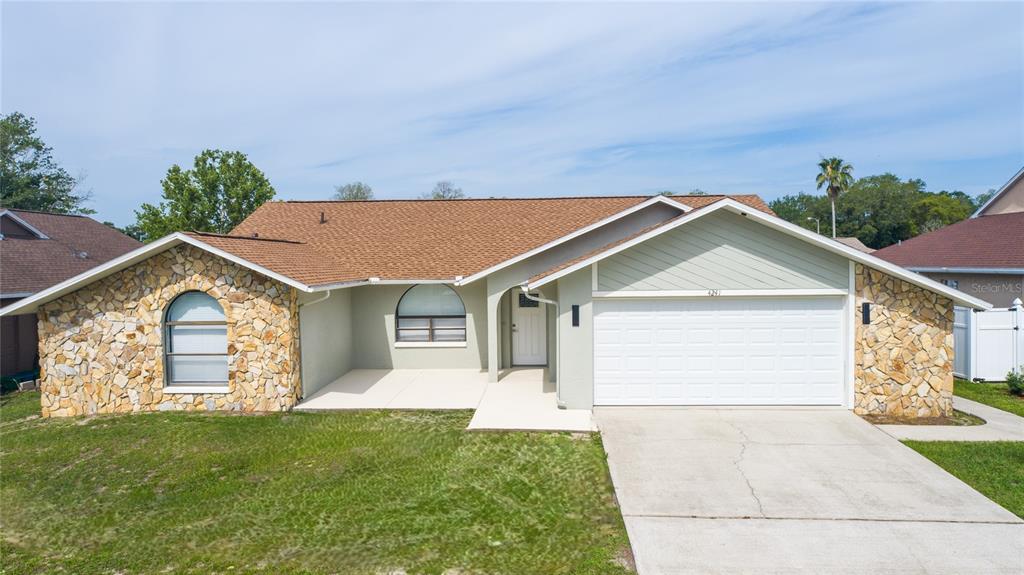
(16, 294)
(1016, 177)
(725, 293)
(787, 228)
(371, 281)
(962, 270)
(614, 217)
(35, 231)
(30, 304)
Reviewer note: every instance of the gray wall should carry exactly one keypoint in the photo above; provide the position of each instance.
(722, 250)
(373, 322)
(325, 332)
(997, 289)
(576, 387)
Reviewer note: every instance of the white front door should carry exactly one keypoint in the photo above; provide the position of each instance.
(529, 331)
(719, 351)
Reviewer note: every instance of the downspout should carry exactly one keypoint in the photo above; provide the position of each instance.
(558, 344)
(302, 376)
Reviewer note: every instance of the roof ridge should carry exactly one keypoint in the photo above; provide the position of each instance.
(625, 197)
(234, 237)
(86, 216)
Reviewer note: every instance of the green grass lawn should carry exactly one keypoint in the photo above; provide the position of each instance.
(994, 394)
(994, 468)
(356, 492)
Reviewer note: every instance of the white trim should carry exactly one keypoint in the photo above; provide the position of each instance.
(194, 389)
(137, 255)
(851, 338)
(961, 270)
(646, 203)
(1001, 191)
(35, 231)
(595, 283)
(406, 344)
(17, 294)
(707, 293)
(785, 227)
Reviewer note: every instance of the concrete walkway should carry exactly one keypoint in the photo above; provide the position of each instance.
(400, 389)
(524, 399)
(999, 426)
(794, 491)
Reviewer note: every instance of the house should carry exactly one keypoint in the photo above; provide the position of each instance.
(982, 256)
(856, 244)
(38, 250)
(683, 300)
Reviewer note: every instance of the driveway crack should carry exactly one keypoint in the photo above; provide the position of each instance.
(739, 460)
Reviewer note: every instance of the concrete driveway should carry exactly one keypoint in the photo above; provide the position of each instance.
(794, 490)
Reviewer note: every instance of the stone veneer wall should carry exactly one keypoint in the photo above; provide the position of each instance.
(904, 357)
(101, 347)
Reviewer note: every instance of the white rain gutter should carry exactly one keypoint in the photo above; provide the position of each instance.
(558, 343)
(317, 300)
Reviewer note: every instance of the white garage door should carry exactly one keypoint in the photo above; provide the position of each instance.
(718, 351)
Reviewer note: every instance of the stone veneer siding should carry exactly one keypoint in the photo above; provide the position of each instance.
(101, 347)
(904, 357)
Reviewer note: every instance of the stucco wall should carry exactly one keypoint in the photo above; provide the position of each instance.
(997, 289)
(903, 359)
(326, 327)
(101, 347)
(373, 331)
(1011, 201)
(577, 343)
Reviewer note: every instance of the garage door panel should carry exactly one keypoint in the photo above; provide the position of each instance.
(719, 351)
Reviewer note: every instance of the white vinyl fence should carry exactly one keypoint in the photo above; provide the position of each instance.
(988, 344)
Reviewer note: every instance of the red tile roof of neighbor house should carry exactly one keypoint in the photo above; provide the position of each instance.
(995, 241)
(75, 244)
(416, 239)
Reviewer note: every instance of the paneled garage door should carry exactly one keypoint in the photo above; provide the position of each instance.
(718, 351)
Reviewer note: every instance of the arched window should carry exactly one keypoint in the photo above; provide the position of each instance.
(430, 312)
(196, 341)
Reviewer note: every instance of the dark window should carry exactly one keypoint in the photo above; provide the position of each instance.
(527, 302)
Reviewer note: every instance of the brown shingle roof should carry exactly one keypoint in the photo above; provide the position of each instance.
(995, 241)
(30, 265)
(424, 239)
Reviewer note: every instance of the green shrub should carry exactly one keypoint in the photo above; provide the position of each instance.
(1015, 381)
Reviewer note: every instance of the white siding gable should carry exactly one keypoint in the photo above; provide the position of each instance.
(723, 251)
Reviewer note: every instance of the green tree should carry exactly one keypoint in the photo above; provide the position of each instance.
(353, 191)
(802, 209)
(934, 211)
(444, 190)
(220, 191)
(836, 176)
(30, 178)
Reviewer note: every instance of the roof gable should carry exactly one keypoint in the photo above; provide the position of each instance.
(1014, 187)
(770, 221)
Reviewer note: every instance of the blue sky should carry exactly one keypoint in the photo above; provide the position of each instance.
(521, 100)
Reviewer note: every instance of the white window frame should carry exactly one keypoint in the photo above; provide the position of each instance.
(213, 386)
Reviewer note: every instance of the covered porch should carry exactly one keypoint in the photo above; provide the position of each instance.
(521, 399)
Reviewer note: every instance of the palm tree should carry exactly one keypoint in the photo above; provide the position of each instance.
(836, 176)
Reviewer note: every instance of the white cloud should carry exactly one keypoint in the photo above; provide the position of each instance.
(520, 99)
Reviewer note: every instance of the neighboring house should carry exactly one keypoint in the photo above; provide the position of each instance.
(982, 255)
(856, 244)
(38, 250)
(683, 300)
(1008, 199)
